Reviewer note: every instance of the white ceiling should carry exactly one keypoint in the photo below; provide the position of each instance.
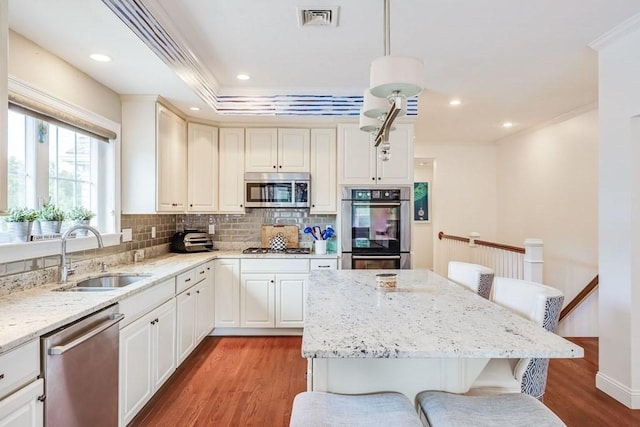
(526, 61)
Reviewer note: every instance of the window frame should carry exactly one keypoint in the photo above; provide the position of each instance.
(10, 252)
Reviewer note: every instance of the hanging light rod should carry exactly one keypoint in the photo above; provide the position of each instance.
(383, 132)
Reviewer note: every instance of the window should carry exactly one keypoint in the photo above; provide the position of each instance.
(49, 162)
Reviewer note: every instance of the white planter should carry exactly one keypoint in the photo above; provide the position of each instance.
(79, 233)
(20, 231)
(50, 227)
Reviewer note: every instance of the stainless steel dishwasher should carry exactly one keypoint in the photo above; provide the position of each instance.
(80, 365)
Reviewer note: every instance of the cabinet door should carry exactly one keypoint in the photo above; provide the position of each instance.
(186, 323)
(204, 308)
(23, 408)
(399, 168)
(261, 153)
(171, 167)
(293, 150)
(257, 301)
(324, 198)
(227, 293)
(231, 171)
(290, 300)
(164, 338)
(136, 353)
(356, 156)
(202, 178)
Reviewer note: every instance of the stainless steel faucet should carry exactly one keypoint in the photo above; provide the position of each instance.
(65, 270)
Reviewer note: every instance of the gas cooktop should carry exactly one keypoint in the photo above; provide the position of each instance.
(289, 251)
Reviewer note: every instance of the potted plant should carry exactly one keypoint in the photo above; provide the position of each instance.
(50, 218)
(80, 215)
(20, 222)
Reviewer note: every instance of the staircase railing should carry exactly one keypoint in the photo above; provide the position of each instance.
(578, 299)
(506, 260)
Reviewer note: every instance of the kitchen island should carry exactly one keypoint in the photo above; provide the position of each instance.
(427, 333)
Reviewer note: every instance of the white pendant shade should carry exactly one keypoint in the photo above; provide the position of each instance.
(402, 74)
(368, 124)
(373, 106)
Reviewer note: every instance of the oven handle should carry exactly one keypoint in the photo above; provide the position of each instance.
(375, 256)
(376, 203)
(61, 349)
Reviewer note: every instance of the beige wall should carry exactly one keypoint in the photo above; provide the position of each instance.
(548, 189)
(41, 69)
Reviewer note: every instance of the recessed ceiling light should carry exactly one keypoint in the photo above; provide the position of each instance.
(455, 102)
(507, 125)
(243, 77)
(100, 57)
(194, 108)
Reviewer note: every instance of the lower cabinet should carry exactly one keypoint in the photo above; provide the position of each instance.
(24, 407)
(147, 358)
(256, 301)
(290, 300)
(227, 293)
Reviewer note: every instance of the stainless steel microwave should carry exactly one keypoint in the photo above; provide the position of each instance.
(277, 190)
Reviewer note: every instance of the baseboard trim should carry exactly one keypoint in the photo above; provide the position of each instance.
(225, 332)
(620, 392)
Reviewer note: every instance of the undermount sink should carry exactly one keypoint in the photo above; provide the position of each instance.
(106, 282)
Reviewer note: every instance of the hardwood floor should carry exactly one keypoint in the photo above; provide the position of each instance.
(251, 381)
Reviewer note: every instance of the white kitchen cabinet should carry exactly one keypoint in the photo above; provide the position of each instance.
(24, 408)
(154, 157)
(277, 150)
(290, 300)
(20, 389)
(324, 198)
(195, 310)
(147, 358)
(257, 293)
(231, 171)
(202, 160)
(227, 293)
(359, 162)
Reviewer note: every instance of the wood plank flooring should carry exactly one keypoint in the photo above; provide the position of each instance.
(251, 381)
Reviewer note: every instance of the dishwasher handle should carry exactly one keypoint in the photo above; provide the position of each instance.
(61, 349)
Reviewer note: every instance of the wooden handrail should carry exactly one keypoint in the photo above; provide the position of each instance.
(509, 248)
(575, 302)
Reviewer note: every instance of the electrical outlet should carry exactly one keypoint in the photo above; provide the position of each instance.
(153, 232)
(212, 229)
(138, 255)
(127, 235)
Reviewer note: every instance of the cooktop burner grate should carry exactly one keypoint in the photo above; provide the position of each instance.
(270, 251)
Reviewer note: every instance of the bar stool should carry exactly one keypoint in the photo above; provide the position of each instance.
(442, 409)
(387, 409)
(475, 277)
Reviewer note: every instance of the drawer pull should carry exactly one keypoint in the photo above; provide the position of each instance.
(188, 294)
(324, 266)
(1, 376)
(202, 272)
(188, 279)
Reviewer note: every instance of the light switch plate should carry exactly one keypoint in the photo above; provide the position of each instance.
(153, 232)
(127, 234)
(212, 229)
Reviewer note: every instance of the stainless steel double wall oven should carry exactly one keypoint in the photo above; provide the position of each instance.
(376, 228)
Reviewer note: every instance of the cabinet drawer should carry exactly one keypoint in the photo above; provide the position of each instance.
(274, 265)
(201, 272)
(139, 304)
(324, 264)
(19, 366)
(185, 280)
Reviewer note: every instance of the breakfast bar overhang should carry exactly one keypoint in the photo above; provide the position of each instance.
(426, 334)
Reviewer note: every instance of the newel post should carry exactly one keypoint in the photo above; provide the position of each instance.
(533, 260)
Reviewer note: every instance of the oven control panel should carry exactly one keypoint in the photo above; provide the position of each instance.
(375, 195)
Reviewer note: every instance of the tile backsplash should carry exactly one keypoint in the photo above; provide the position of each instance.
(233, 232)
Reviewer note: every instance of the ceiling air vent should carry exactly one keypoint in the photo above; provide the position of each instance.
(319, 17)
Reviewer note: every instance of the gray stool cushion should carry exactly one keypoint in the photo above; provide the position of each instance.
(316, 409)
(443, 409)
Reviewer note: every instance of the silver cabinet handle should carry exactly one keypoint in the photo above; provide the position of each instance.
(61, 349)
(374, 257)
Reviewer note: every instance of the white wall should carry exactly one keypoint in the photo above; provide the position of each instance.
(43, 70)
(464, 189)
(548, 189)
(422, 232)
(619, 214)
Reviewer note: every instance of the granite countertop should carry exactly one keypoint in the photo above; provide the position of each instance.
(348, 316)
(31, 313)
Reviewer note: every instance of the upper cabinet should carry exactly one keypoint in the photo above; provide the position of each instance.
(277, 150)
(231, 171)
(154, 157)
(202, 180)
(323, 171)
(359, 161)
